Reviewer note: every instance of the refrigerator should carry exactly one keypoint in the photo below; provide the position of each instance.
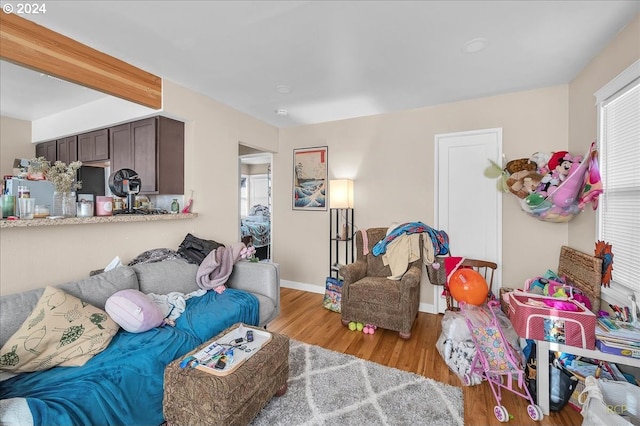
(92, 178)
(41, 190)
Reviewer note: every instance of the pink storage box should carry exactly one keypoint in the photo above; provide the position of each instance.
(573, 328)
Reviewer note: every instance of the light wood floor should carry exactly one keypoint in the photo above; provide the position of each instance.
(303, 318)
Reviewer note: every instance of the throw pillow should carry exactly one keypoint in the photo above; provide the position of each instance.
(134, 311)
(61, 330)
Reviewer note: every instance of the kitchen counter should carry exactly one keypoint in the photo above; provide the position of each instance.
(4, 223)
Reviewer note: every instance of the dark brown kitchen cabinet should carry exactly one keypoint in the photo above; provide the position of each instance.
(93, 146)
(47, 150)
(67, 149)
(153, 148)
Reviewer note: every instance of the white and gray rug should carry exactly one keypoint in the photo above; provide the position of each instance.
(331, 388)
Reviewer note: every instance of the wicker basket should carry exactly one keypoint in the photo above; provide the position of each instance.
(437, 276)
(584, 272)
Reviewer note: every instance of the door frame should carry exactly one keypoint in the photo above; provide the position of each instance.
(260, 154)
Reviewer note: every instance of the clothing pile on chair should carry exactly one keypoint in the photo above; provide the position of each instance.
(401, 246)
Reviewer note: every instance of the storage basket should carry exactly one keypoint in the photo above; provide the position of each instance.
(583, 271)
(504, 303)
(531, 321)
(610, 403)
(437, 275)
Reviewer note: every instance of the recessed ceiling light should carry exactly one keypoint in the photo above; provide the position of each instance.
(283, 89)
(475, 45)
(282, 112)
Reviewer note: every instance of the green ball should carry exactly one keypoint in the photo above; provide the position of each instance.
(352, 326)
(360, 326)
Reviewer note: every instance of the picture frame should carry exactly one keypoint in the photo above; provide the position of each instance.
(310, 178)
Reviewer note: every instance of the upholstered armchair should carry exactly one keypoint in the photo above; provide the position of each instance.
(369, 297)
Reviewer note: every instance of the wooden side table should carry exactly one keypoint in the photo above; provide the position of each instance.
(195, 397)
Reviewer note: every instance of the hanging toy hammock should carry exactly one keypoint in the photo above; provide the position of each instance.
(556, 187)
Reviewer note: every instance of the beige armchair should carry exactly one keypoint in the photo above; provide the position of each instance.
(369, 297)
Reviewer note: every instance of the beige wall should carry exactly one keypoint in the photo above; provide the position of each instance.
(391, 157)
(615, 58)
(15, 142)
(34, 257)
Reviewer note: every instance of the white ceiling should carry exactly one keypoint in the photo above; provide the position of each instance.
(341, 59)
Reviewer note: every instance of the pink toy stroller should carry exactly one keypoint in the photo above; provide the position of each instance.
(495, 360)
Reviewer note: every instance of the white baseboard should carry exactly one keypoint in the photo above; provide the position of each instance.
(302, 286)
(423, 307)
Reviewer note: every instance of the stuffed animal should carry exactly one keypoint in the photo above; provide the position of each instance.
(561, 164)
(541, 159)
(523, 183)
(565, 194)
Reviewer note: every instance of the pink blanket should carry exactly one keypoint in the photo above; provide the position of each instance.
(215, 269)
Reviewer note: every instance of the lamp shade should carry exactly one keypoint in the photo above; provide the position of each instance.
(341, 194)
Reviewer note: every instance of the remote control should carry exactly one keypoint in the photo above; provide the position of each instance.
(249, 336)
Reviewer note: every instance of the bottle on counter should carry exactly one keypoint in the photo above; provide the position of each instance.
(24, 192)
(175, 206)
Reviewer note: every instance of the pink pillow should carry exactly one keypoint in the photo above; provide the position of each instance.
(133, 310)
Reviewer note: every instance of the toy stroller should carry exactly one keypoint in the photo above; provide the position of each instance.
(495, 360)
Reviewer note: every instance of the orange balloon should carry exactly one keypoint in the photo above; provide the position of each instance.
(466, 285)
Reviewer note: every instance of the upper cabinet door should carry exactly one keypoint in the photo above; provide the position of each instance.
(121, 147)
(67, 149)
(47, 150)
(145, 161)
(93, 146)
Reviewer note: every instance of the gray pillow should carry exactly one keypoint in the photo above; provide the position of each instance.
(167, 276)
(96, 289)
(14, 311)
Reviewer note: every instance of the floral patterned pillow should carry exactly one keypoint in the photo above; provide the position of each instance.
(61, 330)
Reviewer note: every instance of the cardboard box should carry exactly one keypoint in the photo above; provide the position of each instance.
(533, 319)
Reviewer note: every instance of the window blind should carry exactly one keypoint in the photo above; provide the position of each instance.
(619, 212)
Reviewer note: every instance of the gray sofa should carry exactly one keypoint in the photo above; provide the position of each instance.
(261, 279)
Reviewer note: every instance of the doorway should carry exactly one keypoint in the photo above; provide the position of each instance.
(468, 205)
(255, 198)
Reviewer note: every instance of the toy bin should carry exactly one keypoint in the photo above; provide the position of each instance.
(555, 320)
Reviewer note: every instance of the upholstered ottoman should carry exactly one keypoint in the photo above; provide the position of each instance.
(194, 397)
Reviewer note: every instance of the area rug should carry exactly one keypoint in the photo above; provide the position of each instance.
(331, 388)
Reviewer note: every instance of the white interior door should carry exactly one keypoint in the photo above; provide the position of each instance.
(467, 204)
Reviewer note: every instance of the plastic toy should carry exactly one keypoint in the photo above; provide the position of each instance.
(369, 329)
(467, 285)
(353, 326)
(496, 361)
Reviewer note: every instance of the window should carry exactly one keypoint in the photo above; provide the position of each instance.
(244, 195)
(619, 210)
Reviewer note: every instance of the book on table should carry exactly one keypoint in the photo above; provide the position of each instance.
(617, 330)
(618, 338)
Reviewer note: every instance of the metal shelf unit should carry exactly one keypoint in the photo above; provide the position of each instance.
(339, 240)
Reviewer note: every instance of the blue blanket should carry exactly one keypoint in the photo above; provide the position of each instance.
(123, 385)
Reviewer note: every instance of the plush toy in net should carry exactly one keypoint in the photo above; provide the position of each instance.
(467, 285)
(568, 184)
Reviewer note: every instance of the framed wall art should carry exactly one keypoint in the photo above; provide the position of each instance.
(310, 170)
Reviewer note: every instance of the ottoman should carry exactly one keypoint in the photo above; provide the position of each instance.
(195, 397)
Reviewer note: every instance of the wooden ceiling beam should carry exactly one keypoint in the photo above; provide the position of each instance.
(28, 44)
